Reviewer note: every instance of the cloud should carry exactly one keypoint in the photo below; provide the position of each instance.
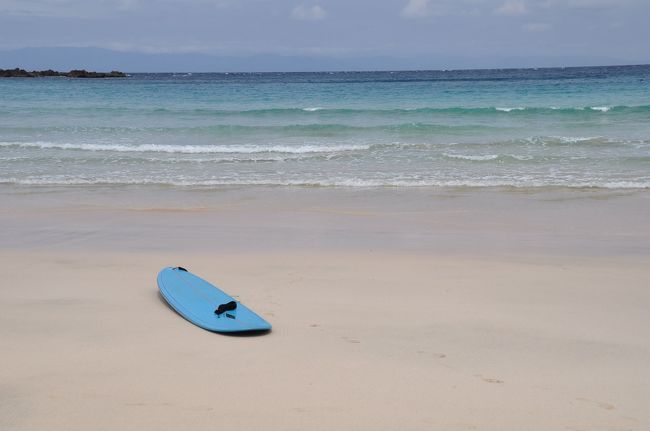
(94, 8)
(512, 7)
(536, 26)
(307, 13)
(588, 4)
(41, 8)
(127, 4)
(416, 9)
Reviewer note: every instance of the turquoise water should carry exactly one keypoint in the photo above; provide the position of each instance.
(575, 127)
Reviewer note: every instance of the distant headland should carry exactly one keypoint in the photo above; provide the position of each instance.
(78, 73)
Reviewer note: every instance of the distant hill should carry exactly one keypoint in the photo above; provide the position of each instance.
(105, 59)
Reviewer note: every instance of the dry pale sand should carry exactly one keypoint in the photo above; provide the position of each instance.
(391, 310)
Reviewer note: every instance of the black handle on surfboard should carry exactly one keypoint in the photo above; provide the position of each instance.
(222, 308)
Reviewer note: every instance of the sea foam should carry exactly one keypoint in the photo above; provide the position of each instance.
(519, 108)
(190, 149)
(337, 182)
(472, 157)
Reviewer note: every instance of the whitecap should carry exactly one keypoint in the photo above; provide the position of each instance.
(575, 139)
(600, 108)
(473, 158)
(519, 108)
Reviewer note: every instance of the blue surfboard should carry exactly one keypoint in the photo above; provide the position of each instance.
(205, 305)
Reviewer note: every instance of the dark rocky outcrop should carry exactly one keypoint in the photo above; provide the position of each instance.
(21, 73)
(15, 73)
(85, 74)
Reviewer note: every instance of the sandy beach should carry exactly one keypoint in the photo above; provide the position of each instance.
(392, 308)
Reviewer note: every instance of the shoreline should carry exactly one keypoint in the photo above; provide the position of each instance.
(422, 220)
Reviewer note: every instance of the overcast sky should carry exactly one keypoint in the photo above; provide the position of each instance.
(528, 29)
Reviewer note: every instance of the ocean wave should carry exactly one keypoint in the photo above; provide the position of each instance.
(317, 111)
(600, 108)
(577, 139)
(442, 110)
(282, 129)
(475, 158)
(497, 157)
(326, 147)
(239, 159)
(337, 182)
(190, 149)
(453, 110)
(510, 109)
(508, 144)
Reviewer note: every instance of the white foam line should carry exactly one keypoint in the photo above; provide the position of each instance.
(570, 139)
(473, 158)
(600, 108)
(518, 108)
(335, 183)
(190, 149)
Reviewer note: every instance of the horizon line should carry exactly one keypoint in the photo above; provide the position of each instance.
(358, 70)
